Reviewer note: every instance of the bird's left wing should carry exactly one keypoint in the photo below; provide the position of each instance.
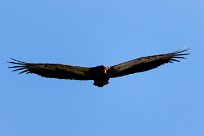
(145, 63)
(52, 70)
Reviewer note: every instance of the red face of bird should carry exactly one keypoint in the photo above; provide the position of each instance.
(102, 69)
(105, 69)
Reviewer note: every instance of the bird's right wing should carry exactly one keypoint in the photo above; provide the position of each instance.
(145, 63)
(52, 70)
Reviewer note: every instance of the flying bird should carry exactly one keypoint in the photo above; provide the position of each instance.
(99, 74)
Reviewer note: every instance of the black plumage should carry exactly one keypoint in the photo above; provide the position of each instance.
(100, 74)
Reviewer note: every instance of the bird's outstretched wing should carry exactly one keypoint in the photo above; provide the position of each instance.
(52, 70)
(145, 63)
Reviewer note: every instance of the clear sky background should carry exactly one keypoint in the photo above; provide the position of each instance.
(167, 101)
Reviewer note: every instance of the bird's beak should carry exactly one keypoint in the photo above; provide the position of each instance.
(106, 69)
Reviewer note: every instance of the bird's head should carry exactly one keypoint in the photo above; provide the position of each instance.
(102, 69)
(105, 68)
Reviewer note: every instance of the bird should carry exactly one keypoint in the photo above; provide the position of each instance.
(99, 74)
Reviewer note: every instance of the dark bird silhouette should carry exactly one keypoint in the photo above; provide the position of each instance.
(100, 74)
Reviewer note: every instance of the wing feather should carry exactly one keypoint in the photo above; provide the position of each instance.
(52, 70)
(145, 63)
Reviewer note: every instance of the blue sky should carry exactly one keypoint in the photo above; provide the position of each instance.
(167, 101)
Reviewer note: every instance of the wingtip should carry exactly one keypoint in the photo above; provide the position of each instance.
(15, 60)
(18, 66)
(179, 55)
(180, 51)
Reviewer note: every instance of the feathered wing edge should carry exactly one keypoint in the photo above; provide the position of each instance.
(20, 66)
(146, 63)
(52, 70)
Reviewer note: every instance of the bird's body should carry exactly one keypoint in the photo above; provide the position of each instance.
(100, 74)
